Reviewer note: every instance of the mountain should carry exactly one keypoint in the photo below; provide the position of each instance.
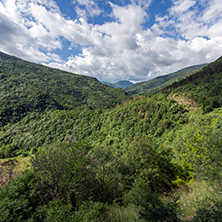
(160, 82)
(109, 84)
(120, 84)
(144, 115)
(123, 84)
(131, 161)
(27, 86)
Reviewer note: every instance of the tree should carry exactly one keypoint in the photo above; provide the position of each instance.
(152, 207)
(65, 172)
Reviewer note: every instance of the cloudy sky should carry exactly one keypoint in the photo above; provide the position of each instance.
(113, 40)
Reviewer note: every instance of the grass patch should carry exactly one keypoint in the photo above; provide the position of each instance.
(194, 195)
(123, 214)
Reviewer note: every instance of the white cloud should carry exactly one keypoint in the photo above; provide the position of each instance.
(86, 8)
(213, 12)
(145, 4)
(120, 49)
(181, 6)
(24, 37)
(131, 16)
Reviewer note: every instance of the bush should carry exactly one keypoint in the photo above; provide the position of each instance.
(209, 214)
(152, 208)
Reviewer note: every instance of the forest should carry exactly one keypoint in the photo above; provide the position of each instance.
(74, 149)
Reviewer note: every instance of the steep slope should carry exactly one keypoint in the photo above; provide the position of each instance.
(18, 97)
(27, 87)
(204, 87)
(68, 89)
(160, 82)
(113, 127)
(143, 116)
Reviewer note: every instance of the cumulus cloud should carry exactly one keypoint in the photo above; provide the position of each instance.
(123, 47)
(23, 36)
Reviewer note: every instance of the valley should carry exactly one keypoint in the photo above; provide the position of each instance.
(70, 145)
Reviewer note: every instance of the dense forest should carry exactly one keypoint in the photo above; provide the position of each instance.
(73, 149)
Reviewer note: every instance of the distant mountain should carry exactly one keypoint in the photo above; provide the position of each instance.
(27, 86)
(109, 84)
(120, 84)
(123, 84)
(160, 82)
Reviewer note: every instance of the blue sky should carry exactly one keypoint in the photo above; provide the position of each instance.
(113, 40)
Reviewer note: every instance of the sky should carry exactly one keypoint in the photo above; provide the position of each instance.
(113, 40)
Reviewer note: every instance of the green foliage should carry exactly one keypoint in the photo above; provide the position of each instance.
(65, 172)
(133, 156)
(204, 87)
(145, 160)
(211, 214)
(199, 142)
(15, 201)
(208, 213)
(18, 98)
(27, 87)
(152, 208)
(113, 127)
(118, 213)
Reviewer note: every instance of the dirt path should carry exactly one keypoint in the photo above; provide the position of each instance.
(12, 168)
(188, 103)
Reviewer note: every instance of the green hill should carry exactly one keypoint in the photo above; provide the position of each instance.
(18, 97)
(145, 115)
(160, 82)
(203, 87)
(27, 86)
(129, 162)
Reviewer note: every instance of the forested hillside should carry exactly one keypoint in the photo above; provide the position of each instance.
(151, 158)
(204, 87)
(27, 87)
(161, 82)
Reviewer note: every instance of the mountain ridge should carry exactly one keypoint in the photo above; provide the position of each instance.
(160, 82)
(124, 84)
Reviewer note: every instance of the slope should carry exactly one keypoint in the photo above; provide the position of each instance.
(68, 89)
(204, 87)
(131, 157)
(153, 115)
(123, 84)
(18, 98)
(27, 87)
(160, 82)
